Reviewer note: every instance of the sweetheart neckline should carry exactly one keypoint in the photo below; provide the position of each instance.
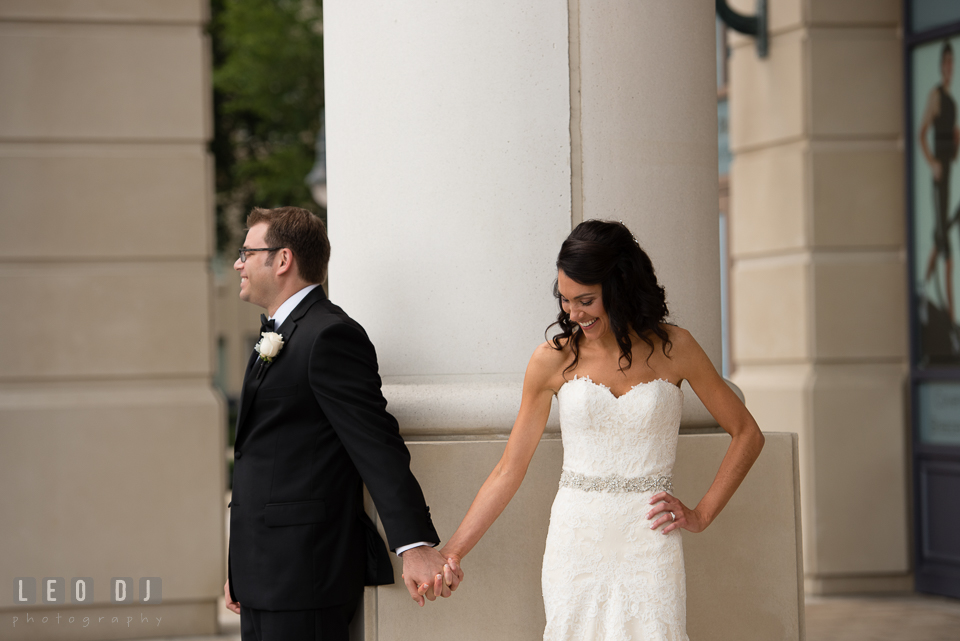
(609, 391)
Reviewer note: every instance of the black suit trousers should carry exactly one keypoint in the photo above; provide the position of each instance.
(325, 624)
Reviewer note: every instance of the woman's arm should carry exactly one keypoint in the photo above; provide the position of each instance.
(731, 414)
(505, 479)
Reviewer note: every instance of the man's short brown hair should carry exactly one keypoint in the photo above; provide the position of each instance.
(300, 231)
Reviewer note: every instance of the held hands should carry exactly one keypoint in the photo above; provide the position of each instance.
(668, 509)
(426, 573)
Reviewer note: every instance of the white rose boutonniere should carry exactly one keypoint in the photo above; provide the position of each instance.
(269, 346)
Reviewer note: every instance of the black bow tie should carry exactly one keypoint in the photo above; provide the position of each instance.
(265, 324)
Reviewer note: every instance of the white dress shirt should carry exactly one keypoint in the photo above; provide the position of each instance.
(289, 305)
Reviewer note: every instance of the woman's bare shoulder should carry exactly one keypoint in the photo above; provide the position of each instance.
(546, 365)
(678, 336)
(684, 350)
(547, 355)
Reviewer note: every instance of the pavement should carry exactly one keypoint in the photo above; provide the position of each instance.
(910, 617)
(914, 617)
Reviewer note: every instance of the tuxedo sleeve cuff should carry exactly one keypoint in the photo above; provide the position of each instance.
(403, 548)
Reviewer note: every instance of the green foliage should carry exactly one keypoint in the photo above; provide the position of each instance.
(268, 93)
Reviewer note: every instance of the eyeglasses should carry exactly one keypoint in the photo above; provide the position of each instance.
(244, 251)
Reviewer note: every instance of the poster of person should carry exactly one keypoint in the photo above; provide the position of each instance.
(936, 203)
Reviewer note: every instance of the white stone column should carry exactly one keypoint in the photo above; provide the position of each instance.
(648, 138)
(111, 446)
(463, 144)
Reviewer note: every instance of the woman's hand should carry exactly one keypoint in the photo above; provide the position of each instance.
(452, 568)
(675, 514)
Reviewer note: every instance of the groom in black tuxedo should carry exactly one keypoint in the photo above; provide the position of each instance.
(312, 428)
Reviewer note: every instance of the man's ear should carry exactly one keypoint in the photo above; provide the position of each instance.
(284, 261)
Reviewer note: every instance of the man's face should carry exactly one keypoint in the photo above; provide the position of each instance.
(256, 277)
(946, 68)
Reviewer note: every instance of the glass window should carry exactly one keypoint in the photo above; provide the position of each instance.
(723, 137)
(935, 139)
(723, 53)
(927, 14)
(725, 368)
(939, 412)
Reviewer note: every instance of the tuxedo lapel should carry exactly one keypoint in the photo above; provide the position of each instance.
(251, 383)
(244, 393)
(317, 294)
(254, 376)
(286, 330)
(290, 324)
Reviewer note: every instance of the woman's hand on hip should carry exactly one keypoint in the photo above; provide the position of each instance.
(669, 510)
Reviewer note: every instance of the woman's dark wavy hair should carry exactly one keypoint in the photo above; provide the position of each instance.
(606, 253)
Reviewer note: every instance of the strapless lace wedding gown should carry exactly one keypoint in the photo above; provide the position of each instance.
(606, 575)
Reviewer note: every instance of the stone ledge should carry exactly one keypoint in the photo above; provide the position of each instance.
(488, 404)
(825, 585)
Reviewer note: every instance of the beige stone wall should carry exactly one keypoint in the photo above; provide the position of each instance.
(236, 326)
(819, 276)
(743, 573)
(111, 443)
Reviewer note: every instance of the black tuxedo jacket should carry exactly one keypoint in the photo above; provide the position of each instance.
(312, 427)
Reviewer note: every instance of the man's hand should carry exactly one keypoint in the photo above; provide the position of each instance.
(233, 606)
(427, 574)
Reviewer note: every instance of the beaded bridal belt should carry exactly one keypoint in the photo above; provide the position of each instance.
(616, 483)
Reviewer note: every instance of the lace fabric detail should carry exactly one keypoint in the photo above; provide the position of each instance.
(615, 483)
(632, 435)
(606, 575)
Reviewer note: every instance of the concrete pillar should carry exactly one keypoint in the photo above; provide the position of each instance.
(818, 281)
(463, 144)
(645, 75)
(111, 447)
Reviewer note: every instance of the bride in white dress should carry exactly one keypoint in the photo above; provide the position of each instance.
(613, 566)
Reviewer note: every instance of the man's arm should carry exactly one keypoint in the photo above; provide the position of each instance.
(344, 379)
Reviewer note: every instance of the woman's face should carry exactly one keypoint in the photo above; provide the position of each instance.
(584, 304)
